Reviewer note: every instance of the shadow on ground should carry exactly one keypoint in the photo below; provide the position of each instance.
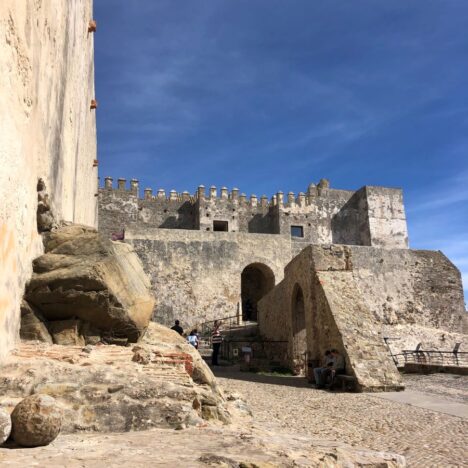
(235, 374)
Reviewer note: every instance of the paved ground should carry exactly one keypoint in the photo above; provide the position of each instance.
(427, 401)
(427, 438)
(293, 425)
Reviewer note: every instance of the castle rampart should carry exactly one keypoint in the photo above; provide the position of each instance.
(369, 216)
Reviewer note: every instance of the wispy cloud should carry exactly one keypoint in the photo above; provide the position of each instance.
(270, 94)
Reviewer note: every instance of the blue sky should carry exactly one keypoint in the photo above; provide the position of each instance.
(270, 95)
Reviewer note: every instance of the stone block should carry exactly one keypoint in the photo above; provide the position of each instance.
(331, 258)
(33, 325)
(85, 276)
(66, 332)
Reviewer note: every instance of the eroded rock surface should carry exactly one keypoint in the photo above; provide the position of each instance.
(200, 447)
(33, 325)
(5, 425)
(160, 382)
(85, 276)
(36, 421)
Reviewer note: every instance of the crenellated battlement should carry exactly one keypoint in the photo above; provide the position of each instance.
(234, 196)
(320, 214)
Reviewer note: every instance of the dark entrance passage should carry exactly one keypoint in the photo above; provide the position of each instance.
(256, 280)
(299, 331)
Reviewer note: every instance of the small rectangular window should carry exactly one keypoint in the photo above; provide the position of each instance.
(220, 226)
(297, 231)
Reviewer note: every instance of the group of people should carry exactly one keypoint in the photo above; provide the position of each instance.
(194, 339)
(332, 365)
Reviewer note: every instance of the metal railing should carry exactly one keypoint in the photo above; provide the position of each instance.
(226, 323)
(435, 357)
(274, 350)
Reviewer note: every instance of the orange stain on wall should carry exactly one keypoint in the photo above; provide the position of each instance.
(8, 269)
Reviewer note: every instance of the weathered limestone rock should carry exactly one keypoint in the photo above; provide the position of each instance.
(86, 276)
(66, 332)
(36, 421)
(90, 334)
(33, 326)
(161, 382)
(163, 337)
(239, 447)
(45, 217)
(5, 425)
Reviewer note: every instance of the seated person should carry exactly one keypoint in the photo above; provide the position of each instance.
(321, 372)
(337, 367)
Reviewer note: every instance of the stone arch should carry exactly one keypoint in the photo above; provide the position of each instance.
(257, 279)
(299, 330)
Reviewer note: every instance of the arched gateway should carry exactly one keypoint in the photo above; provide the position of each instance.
(257, 279)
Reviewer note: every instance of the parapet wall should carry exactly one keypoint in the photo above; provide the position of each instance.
(360, 293)
(47, 131)
(196, 276)
(334, 316)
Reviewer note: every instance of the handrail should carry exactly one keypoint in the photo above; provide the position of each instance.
(219, 319)
(206, 327)
(436, 357)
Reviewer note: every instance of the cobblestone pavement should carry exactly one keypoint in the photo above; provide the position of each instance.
(426, 438)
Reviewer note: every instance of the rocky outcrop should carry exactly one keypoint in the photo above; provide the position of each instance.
(33, 325)
(84, 276)
(210, 446)
(36, 421)
(5, 425)
(67, 332)
(160, 382)
(45, 216)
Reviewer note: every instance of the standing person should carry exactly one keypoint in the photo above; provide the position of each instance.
(216, 340)
(193, 338)
(178, 328)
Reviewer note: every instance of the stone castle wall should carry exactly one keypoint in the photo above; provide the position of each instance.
(369, 216)
(330, 314)
(196, 275)
(47, 131)
(411, 296)
(173, 234)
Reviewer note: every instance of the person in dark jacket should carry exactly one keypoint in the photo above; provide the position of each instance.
(178, 328)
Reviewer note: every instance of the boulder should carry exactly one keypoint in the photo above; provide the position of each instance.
(85, 276)
(66, 332)
(36, 421)
(91, 335)
(5, 425)
(107, 389)
(163, 337)
(33, 326)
